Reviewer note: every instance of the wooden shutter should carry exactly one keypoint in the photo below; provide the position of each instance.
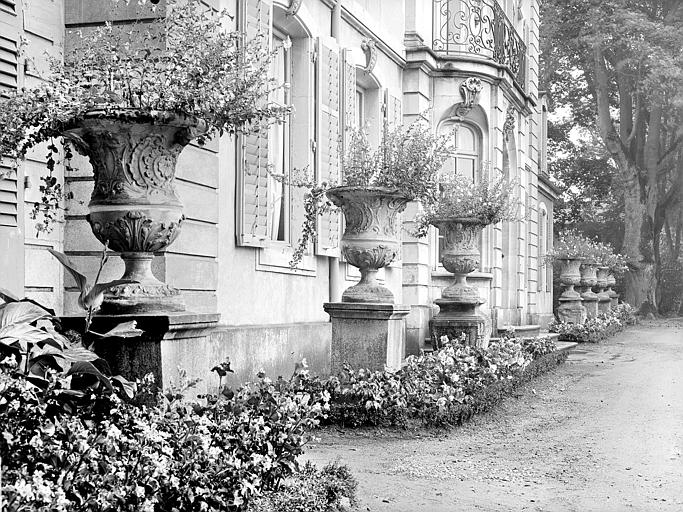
(252, 213)
(9, 59)
(393, 110)
(349, 96)
(328, 140)
(9, 80)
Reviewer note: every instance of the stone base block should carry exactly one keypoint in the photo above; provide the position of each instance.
(456, 319)
(169, 343)
(590, 302)
(571, 311)
(604, 303)
(367, 335)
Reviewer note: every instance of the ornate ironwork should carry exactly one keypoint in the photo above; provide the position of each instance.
(478, 27)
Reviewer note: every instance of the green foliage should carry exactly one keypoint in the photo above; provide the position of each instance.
(330, 489)
(437, 389)
(489, 201)
(595, 330)
(573, 244)
(172, 454)
(183, 62)
(407, 159)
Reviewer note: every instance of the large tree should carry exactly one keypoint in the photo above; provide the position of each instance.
(617, 67)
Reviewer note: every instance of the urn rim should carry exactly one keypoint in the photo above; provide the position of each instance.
(468, 221)
(334, 192)
(141, 116)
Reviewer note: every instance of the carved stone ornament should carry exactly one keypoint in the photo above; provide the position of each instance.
(469, 89)
(294, 6)
(459, 312)
(134, 206)
(369, 48)
(571, 307)
(509, 124)
(460, 256)
(371, 239)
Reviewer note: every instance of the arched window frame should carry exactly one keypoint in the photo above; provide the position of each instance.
(476, 155)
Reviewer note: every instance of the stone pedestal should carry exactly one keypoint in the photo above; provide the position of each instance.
(169, 342)
(367, 335)
(590, 302)
(613, 297)
(571, 310)
(604, 302)
(455, 319)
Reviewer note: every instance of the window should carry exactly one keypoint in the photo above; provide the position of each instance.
(278, 146)
(360, 107)
(466, 162)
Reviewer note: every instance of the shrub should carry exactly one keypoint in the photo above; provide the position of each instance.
(444, 387)
(173, 455)
(595, 330)
(489, 201)
(330, 489)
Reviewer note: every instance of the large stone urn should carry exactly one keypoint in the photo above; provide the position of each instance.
(459, 303)
(371, 239)
(589, 279)
(604, 299)
(571, 309)
(134, 207)
(614, 296)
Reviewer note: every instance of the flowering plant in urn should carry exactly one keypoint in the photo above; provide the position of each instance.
(377, 184)
(460, 211)
(130, 98)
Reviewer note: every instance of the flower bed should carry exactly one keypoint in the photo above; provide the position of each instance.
(442, 388)
(595, 330)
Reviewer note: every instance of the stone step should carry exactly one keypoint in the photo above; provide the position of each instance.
(521, 331)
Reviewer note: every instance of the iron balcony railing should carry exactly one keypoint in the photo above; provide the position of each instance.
(478, 27)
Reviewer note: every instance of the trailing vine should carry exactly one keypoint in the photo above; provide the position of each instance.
(53, 195)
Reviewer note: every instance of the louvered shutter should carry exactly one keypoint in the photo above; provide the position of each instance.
(349, 96)
(252, 215)
(328, 139)
(9, 80)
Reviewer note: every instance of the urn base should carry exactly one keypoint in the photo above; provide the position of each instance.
(372, 293)
(460, 321)
(146, 295)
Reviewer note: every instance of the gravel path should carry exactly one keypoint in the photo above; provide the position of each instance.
(604, 432)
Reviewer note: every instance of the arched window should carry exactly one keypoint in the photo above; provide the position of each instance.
(466, 161)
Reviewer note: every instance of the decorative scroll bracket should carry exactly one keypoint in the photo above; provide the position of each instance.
(294, 6)
(469, 89)
(509, 124)
(369, 48)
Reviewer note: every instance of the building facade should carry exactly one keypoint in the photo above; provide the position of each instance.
(469, 67)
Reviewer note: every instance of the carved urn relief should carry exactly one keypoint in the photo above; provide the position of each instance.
(459, 315)
(371, 239)
(134, 206)
(570, 276)
(604, 299)
(571, 309)
(460, 256)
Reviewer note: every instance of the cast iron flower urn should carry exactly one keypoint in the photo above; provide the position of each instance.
(134, 206)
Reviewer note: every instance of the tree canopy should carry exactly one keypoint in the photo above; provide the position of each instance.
(616, 67)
